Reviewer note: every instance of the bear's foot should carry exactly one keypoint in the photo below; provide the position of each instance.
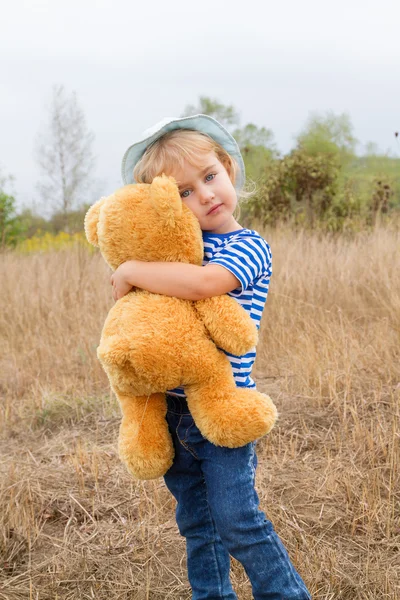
(146, 456)
(232, 418)
(145, 444)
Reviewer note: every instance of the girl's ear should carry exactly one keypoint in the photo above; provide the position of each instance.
(165, 197)
(91, 222)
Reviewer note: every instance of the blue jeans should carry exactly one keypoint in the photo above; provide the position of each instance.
(218, 514)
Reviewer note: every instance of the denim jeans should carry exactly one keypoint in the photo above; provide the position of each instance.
(218, 514)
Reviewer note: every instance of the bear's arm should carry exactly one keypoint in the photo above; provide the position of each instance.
(229, 325)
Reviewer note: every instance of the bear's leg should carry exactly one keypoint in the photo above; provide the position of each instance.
(145, 444)
(225, 414)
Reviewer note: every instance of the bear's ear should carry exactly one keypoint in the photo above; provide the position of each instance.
(91, 221)
(165, 197)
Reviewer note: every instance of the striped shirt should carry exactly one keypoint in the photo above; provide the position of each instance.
(248, 256)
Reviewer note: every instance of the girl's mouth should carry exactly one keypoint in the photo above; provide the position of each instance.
(213, 209)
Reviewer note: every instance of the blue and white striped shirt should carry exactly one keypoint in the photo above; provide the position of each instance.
(248, 256)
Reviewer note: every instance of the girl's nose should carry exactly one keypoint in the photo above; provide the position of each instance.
(206, 195)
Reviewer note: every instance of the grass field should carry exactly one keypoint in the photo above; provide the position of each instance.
(73, 524)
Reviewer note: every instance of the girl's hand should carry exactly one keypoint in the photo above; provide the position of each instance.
(120, 280)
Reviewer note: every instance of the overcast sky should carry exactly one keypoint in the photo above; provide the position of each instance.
(132, 63)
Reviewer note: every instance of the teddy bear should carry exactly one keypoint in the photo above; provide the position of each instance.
(152, 343)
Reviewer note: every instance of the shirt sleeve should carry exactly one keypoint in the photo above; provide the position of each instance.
(248, 258)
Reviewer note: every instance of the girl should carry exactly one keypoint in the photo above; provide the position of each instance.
(217, 510)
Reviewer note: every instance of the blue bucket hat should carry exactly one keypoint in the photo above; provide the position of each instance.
(202, 123)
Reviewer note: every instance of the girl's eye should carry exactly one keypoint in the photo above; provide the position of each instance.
(210, 176)
(185, 194)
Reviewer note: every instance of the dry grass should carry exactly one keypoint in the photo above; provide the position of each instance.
(74, 525)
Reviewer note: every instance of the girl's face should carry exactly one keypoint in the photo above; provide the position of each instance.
(209, 193)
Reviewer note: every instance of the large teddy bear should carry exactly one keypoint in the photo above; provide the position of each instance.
(152, 343)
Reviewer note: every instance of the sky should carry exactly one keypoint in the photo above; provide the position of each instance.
(132, 63)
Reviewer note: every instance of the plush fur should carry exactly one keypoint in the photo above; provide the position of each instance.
(151, 343)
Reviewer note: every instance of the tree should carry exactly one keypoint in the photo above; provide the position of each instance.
(251, 135)
(313, 181)
(64, 154)
(379, 203)
(11, 225)
(271, 203)
(258, 149)
(33, 222)
(329, 134)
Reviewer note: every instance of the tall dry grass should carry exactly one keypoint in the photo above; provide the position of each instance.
(73, 523)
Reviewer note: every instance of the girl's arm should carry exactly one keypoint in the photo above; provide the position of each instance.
(188, 282)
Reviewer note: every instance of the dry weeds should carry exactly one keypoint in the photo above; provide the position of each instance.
(73, 523)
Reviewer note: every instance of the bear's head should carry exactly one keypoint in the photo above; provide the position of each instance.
(146, 222)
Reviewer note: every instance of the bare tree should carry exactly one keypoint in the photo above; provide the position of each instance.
(64, 153)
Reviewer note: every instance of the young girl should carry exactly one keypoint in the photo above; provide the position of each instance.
(217, 510)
